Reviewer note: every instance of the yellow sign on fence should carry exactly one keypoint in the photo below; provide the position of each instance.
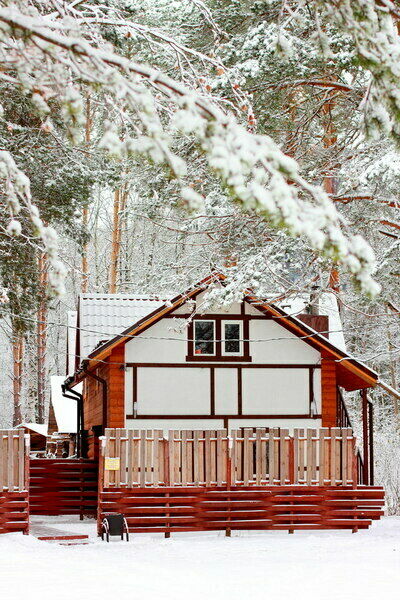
(111, 464)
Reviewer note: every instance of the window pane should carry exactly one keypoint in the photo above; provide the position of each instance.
(204, 337)
(232, 337)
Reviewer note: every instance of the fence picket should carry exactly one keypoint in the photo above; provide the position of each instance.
(322, 475)
(196, 457)
(13, 447)
(333, 455)
(315, 457)
(219, 458)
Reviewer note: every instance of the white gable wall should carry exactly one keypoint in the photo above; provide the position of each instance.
(280, 345)
(158, 343)
(164, 391)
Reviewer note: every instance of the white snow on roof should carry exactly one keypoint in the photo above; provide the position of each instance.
(65, 409)
(40, 428)
(103, 316)
(327, 306)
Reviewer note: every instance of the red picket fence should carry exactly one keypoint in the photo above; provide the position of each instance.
(63, 486)
(213, 458)
(14, 467)
(167, 510)
(250, 479)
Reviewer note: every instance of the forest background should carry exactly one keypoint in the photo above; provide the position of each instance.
(145, 143)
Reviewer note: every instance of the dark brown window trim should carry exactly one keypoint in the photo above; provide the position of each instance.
(223, 365)
(240, 388)
(219, 317)
(212, 391)
(134, 387)
(236, 417)
(218, 337)
(208, 358)
(219, 356)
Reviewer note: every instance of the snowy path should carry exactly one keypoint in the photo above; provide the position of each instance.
(274, 565)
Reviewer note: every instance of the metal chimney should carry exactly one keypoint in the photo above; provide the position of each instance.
(313, 307)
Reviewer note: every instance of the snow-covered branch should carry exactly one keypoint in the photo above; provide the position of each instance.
(51, 63)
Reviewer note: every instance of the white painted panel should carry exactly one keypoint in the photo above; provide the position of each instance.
(129, 391)
(226, 391)
(171, 345)
(167, 424)
(186, 307)
(252, 310)
(173, 391)
(278, 345)
(317, 389)
(275, 391)
(285, 423)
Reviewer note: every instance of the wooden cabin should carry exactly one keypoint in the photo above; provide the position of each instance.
(146, 363)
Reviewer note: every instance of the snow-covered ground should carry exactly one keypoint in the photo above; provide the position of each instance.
(273, 565)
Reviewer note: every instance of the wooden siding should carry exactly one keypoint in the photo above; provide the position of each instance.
(110, 370)
(328, 392)
(116, 388)
(14, 512)
(63, 486)
(168, 509)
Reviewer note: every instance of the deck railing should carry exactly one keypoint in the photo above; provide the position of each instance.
(246, 457)
(14, 455)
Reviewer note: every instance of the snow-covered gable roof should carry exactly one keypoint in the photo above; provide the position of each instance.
(103, 316)
(65, 409)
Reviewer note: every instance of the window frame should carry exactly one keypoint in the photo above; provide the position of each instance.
(213, 339)
(219, 342)
(224, 340)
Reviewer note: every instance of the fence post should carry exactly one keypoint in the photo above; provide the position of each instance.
(229, 480)
(26, 459)
(371, 442)
(355, 464)
(291, 460)
(102, 447)
(167, 478)
(365, 437)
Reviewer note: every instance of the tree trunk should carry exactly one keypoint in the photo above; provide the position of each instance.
(330, 181)
(18, 358)
(115, 244)
(85, 213)
(41, 341)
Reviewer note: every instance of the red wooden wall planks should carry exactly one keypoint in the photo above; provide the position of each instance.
(14, 512)
(328, 392)
(63, 486)
(269, 507)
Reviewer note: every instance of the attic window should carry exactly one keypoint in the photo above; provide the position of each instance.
(204, 337)
(232, 337)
